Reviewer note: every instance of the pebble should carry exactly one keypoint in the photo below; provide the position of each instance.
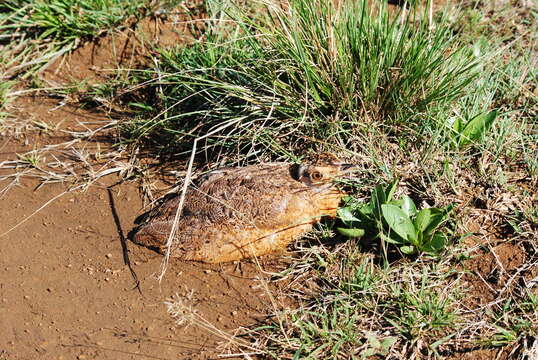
(108, 256)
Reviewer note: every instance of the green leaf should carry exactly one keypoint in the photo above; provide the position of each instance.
(457, 126)
(423, 219)
(378, 199)
(382, 196)
(408, 206)
(436, 243)
(346, 215)
(366, 210)
(477, 127)
(368, 352)
(351, 233)
(299, 352)
(392, 240)
(374, 341)
(387, 343)
(346, 199)
(399, 222)
(437, 216)
(391, 188)
(408, 249)
(141, 106)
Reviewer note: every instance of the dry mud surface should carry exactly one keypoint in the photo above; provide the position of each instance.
(66, 290)
(67, 293)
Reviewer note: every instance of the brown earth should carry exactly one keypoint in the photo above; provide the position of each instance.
(66, 288)
(67, 293)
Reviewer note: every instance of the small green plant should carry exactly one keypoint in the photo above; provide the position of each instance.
(31, 158)
(63, 20)
(34, 32)
(395, 221)
(420, 311)
(473, 130)
(377, 346)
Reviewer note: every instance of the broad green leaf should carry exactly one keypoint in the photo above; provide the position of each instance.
(436, 243)
(351, 233)
(346, 215)
(392, 240)
(476, 127)
(408, 206)
(408, 249)
(398, 202)
(382, 196)
(399, 222)
(391, 188)
(422, 220)
(457, 126)
(437, 216)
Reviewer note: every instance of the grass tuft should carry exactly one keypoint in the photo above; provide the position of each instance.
(363, 309)
(309, 76)
(34, 32)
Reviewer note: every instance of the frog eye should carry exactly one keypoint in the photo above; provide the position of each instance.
(316, 176)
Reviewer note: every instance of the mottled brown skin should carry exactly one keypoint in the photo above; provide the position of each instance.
(244, 212)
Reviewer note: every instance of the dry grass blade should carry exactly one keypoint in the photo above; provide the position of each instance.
(186, 184)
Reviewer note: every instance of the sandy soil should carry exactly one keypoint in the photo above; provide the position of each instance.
(66, 287)
(66, 290)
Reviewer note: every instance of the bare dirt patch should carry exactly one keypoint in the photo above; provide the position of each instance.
(99, 60)
(67, 292)
(489, 271)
